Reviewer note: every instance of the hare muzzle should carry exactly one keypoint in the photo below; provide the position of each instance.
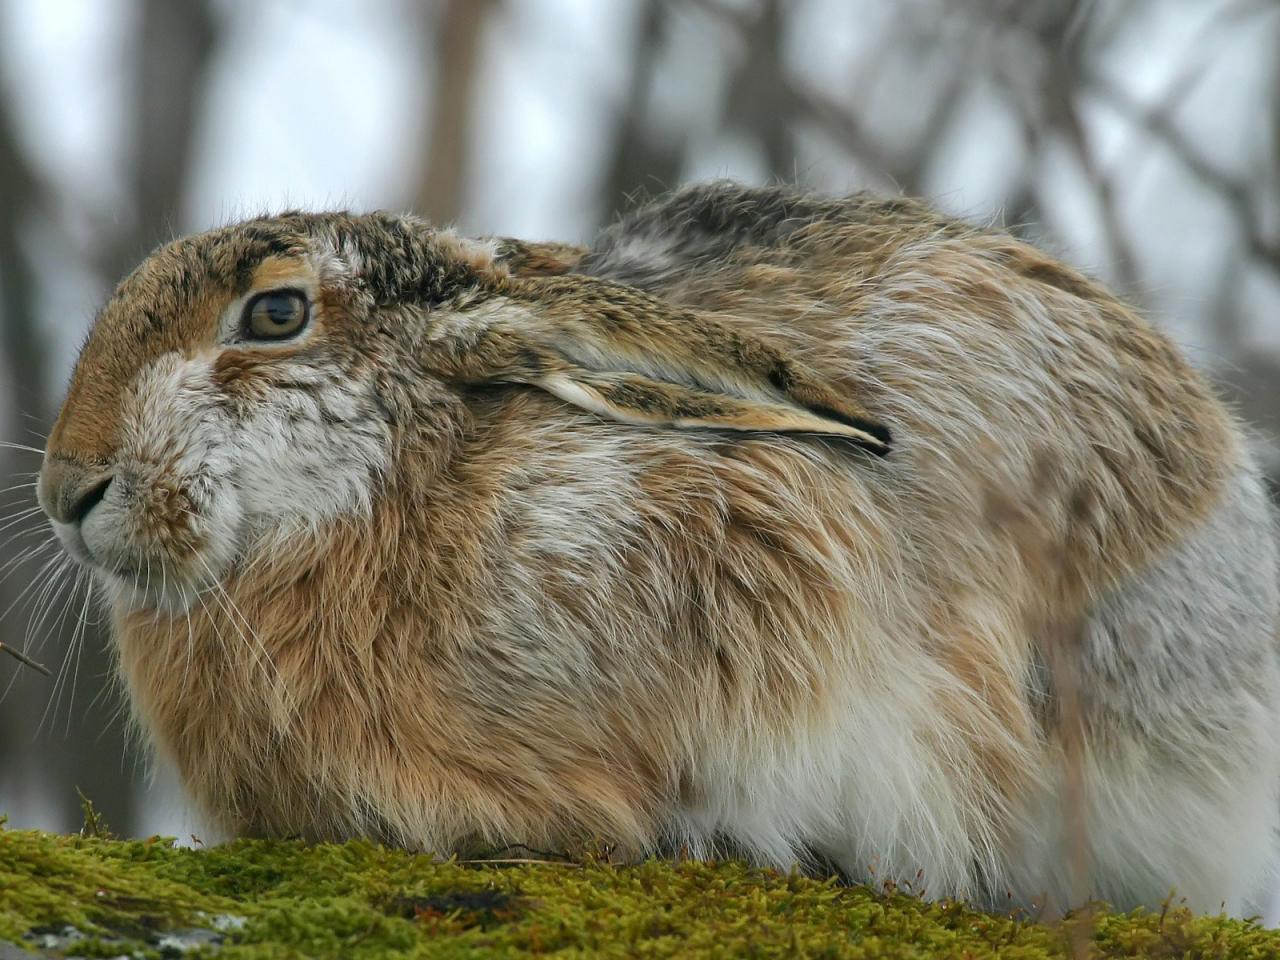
(152, 518)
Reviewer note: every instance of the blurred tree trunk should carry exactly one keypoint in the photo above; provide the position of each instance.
(23, 354)
(175, 47)
(641, 155)
(759, 100)
(459, 39)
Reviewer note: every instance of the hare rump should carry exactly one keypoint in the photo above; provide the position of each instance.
(811, 530)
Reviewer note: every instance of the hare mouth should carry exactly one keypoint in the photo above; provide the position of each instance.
(134, 575)
(166, 595)
(156, 583)
(140, 583)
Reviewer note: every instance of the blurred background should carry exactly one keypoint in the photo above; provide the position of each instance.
(1138, 139)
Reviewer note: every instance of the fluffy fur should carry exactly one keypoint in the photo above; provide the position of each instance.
(793, 527)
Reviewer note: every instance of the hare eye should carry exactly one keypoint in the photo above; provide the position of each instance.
(274, 315)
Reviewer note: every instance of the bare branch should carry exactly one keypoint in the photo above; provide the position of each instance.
(24, 659)
(1232, 191)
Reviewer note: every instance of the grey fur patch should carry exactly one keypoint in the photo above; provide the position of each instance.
(1173, 654)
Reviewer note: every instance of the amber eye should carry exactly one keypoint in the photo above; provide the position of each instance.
(274, 315)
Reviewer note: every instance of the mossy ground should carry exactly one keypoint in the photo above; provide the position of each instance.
(358, 900)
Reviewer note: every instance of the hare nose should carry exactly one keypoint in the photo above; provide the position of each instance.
(69, 491)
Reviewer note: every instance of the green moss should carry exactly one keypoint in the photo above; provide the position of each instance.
(357, 900)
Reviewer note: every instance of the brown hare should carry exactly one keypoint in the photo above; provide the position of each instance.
(811, 530)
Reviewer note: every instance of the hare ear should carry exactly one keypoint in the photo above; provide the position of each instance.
(634, 398)
(622, 354)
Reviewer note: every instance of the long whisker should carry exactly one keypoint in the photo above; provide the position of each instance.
(12, 564)
(18, 517)
(234, 612)
(25, 485)
(70, 657)
(50, 571)
(49, 568)
(78, 636)
(191, 641)
(42, 437)
(164, 580)
(46, 580)
(42, 603)
(27, 553)
(81, 576)
(224, 601)
(26, 448)
(146, 586)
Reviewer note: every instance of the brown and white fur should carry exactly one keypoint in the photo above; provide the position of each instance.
(769, 524)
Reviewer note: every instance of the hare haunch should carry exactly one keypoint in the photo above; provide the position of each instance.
(770, 524)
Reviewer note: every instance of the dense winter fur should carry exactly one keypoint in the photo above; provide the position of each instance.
(769, 524)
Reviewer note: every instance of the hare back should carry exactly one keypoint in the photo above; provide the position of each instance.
(1012, 381)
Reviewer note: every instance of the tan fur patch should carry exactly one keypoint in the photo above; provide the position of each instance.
(279, 272)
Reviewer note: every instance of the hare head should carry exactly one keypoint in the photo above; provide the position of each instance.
(253, 382)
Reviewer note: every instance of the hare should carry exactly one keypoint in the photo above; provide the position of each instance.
(815, 531)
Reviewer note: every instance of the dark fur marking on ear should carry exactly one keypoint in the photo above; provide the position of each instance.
(417, 271)
(650, 399)
(532, 361)
(780, 376)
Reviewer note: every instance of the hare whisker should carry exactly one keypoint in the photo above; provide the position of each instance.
(25, 448)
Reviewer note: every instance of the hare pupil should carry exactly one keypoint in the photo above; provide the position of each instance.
(281, 310)
(275, 314)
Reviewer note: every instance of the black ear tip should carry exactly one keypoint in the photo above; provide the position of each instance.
(881, 449)
(880, 432)
(875, 444)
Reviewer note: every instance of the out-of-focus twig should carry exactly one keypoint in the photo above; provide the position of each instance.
(758, 90)
(171, 68)
(1157, 121)
(24, 659)
(1078, 141)
(21, 347)
(1232, 191)
(1055, 57)
(833, 117)
(797, 102)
